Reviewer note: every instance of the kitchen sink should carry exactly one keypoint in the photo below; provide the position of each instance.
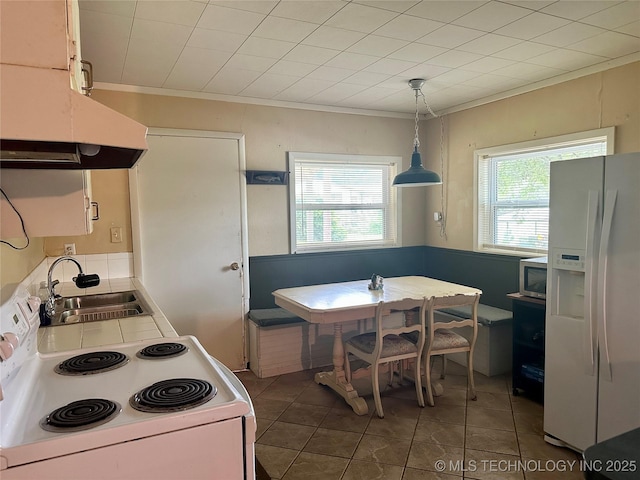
(98, 307)
(100, 299)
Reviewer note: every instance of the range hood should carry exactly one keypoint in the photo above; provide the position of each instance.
(46, 124)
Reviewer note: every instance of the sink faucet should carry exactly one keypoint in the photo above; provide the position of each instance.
(81, 281)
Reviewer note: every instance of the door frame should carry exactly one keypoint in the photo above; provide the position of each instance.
(244, 229)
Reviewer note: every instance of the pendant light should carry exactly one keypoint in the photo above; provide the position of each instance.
(417, 175)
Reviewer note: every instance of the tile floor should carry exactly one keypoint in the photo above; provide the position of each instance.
(305, 431)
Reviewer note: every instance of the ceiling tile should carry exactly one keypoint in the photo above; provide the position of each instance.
(114, 7)
(330, 37)
(284, 29)
(577, 9)
(444, 11)
(529, 72)
(453, 59)
(103, 26)
(215, 40)
(331, 73)
(151, 33)
(229, 19)
(195, 68)
(314, 12)
(250, 62)
(149, 63)
(296, 69)
(424, 70)
(572, 33)
(608, 44)
(304, 89)
(493, 82)
(389, 66)
(354, 61)
(309, 54)
(231, 81)
(399, 6)
(615, 16)
(417, 52)
(257, 6)
(565, 59)
(491, 16)
(532, 26)
(367, 78)
(487, 64)
(377, 46)
(371, 94)
(488, 44)
(360, 18)
(171, 11)
(269, 85)
(523, 51)
(452, 77)
(406, 27)
(531, 4)
(265, 47)
(336, 93)
(450, 36)
(632, 28)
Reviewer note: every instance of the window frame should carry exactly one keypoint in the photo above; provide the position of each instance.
(548, 143)
(394, 162)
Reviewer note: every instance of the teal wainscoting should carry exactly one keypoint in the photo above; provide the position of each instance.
(495, 275)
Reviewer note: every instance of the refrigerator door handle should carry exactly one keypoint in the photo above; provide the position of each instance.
(609, 208)
(588, 337)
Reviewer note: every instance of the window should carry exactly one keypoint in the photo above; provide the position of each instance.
(512, 190)
(341, 202)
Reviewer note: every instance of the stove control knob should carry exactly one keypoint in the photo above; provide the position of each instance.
(6, 349)
(12, 338)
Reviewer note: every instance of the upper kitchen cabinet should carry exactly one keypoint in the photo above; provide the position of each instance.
(51, 203)
(47, 122)
(32, 34)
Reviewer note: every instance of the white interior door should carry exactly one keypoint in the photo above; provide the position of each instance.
(188, 199)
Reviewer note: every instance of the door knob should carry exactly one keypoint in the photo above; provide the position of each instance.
(234, 266)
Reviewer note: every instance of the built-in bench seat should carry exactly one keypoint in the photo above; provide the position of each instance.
(281, 342)
(493, 350)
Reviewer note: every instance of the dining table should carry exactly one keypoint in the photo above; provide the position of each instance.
(336, 303)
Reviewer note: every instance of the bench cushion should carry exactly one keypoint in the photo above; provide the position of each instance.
(486, 315)
(268, 317)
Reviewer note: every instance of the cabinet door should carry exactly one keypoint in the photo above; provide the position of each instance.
(75, 54)
(51, 203)
(34, 34)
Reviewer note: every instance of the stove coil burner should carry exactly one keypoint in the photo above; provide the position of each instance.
(173, 395)
(81, 415)
(162, 350)
(89, 363)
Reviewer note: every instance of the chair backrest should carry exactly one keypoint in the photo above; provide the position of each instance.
(407, 305)
(456, 300)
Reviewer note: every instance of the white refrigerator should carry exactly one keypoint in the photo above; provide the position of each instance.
(592, 335)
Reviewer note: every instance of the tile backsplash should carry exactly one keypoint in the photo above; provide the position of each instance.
(106, 265)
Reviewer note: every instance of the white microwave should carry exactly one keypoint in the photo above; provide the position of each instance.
(533, 277)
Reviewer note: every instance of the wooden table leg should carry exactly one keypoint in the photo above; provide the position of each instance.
(336, 379)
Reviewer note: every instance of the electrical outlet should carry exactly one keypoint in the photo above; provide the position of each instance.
(69, 248)
(116, 234)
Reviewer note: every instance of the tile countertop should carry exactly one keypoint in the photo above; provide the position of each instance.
(108, 332)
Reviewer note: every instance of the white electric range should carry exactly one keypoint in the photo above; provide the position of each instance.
(151, 409)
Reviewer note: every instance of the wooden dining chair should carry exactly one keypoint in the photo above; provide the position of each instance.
(441, 339)
(386, 345)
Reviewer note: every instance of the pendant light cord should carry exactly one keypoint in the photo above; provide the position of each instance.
(443, 221)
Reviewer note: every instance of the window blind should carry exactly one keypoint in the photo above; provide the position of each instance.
(513, 195)
(343, 205)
